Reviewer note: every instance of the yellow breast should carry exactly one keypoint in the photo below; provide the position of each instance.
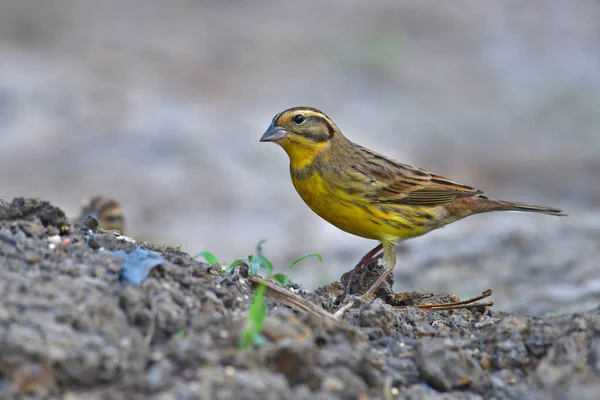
(351, 213)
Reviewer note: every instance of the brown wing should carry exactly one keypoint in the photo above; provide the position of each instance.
(388, 181)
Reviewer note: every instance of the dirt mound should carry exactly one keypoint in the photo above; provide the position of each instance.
(71, 328)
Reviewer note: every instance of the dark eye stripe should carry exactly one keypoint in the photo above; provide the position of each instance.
(319, 135)
(113, 218)
(315, 137)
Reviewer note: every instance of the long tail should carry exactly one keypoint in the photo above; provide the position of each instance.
(499, 205)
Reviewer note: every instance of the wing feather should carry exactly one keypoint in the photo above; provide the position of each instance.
(388, 181)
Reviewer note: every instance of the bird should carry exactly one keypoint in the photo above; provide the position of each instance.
(107, 211)
(368, 194)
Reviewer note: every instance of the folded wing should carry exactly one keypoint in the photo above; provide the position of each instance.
(388, 181)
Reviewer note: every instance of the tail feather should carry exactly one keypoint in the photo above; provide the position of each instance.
(514, 206)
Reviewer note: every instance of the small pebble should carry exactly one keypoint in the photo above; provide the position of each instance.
(56, 239)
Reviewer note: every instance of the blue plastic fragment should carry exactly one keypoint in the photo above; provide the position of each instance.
(138, 264)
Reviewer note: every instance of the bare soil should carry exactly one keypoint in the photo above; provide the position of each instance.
(69, 328)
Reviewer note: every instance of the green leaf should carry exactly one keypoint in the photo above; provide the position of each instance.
(259, 247)
(264, 261)
(180, 333)
(237, 262)
(226, 269)
(251, 334)
(266, 264)
(279, 278)
(209, 257)
(254, 267)
(296, 261)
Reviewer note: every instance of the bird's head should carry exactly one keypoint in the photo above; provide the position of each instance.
(303, 132)
(107, 211)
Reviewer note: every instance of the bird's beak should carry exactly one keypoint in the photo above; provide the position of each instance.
(273, 134)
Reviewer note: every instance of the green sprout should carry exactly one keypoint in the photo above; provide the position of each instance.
(252, 331)
(285, 279)
(209, 257)
(251, 334)
(255, 262)
(180, 333)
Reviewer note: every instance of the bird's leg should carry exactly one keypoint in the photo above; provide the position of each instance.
(375, 258)
(363, 263)
(389, 261)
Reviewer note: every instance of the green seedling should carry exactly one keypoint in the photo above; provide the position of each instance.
(255, 262)
(252, 333)
(285, 279)
(180, 333)
(209, 257)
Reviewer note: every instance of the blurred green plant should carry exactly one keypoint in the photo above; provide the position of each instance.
(251, 334)
(209, 257)
(180, 333)
(257, 261)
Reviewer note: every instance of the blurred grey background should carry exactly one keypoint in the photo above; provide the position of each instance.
(160, 105)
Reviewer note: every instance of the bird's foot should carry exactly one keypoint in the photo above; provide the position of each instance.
(371, 292)
(363, 265)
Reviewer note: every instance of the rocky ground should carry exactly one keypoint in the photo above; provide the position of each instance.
(122, 98)
(70, 328)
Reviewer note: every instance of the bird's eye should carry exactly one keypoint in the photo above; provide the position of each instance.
(298, 119)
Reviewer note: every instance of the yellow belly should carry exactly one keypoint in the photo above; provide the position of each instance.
(354, 215)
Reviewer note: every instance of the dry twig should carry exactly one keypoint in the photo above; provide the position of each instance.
(469, 303)
(292, 300)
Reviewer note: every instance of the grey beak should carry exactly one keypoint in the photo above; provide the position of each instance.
(273, 134)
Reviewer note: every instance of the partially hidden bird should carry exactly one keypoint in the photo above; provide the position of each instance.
(368, 194)
(107, 211)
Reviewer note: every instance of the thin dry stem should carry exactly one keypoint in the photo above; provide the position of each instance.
(469, 303)
(292, 300)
